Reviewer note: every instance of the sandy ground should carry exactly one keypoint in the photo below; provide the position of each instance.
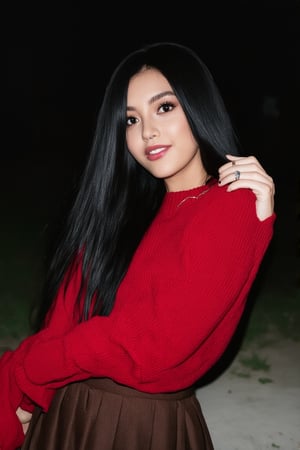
(248, 409)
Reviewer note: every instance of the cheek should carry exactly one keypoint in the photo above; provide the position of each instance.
(180, 127)
(129, 141)
(132, 144)
(186, 133)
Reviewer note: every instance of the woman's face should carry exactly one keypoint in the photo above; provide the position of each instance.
(158, 135)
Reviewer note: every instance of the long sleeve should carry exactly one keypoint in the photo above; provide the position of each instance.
(11, 433)
(59, 319)
(176, 309)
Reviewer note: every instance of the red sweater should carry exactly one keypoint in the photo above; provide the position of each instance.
(175, 311)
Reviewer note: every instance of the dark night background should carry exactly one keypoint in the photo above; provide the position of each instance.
(58, 59)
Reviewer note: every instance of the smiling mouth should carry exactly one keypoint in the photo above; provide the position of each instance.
(157, 150)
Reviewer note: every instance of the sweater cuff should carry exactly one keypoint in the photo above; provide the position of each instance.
(35, 394)
(27, 404)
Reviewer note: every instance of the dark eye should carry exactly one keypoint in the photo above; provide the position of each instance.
(166, 107)
(130, 121)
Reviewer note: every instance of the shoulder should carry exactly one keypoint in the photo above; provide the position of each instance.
(221, 199)
(229, 219)
(240, 196)
(231, 209)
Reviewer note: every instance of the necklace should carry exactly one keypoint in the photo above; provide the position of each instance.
(193, 197)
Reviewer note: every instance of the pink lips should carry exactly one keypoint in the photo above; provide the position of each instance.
(156, 151)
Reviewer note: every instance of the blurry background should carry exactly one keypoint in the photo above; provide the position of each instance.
(57, 60)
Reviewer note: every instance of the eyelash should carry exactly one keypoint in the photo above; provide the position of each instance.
(132, 120)
(169, 105)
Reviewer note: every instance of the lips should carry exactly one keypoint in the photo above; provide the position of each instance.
(156, 151)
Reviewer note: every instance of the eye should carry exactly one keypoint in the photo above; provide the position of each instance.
(166, 107)
(131, 121)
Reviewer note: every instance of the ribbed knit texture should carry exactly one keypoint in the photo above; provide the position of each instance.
(176, 309)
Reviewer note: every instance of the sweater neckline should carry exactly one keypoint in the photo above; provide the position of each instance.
(175, 200)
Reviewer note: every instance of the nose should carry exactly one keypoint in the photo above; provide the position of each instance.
(149, 132)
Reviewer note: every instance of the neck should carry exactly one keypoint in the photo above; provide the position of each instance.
(184, 186)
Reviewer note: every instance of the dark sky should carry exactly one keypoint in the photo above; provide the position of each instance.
(59, 58)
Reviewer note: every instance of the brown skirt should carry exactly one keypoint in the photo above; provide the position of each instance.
(99, 414)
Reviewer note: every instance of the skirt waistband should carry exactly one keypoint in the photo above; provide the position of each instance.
(106, 384)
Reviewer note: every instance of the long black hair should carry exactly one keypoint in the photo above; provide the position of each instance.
(117, 198)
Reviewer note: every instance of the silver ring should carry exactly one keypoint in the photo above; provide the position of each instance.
(237, 175)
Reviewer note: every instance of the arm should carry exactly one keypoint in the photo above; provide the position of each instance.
(137, 344)
(11, 433)
(15, 404)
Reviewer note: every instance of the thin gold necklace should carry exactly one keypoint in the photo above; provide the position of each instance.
(193, 197)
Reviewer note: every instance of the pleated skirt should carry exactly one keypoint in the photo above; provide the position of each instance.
(99, 414)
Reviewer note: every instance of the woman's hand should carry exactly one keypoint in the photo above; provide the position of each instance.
(24, 417)
(247, 172)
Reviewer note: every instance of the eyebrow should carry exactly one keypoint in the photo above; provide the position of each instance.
(154, 98)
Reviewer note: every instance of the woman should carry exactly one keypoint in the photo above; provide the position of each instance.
(152, 274)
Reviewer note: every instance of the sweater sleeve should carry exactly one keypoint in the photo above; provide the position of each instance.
(169, 341)
(11, 433)
(59, 319)
(11, 397)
